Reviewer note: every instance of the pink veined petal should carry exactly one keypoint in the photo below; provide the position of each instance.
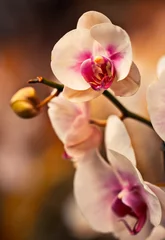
(71, 123)
(117, 138)
(117, 44)
(160, 195)
(80, 96)
(68, 54)
(131, 176)
(94, 187)
(84, 108)
(129, 85)
(91, 18)
(79, 130)
(156, 108)
(63, 114)
(93, 141)
(161, 68)
(127, 172)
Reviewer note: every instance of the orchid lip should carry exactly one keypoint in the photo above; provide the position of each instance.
(99, 72)
(134, 207)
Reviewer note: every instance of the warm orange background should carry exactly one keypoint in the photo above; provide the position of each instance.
(30, 153)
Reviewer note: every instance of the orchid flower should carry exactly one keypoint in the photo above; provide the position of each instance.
(113, 195)
(95, 56)
(71, 124)
(156, 100)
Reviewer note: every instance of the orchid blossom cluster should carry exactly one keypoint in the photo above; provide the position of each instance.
(109, 188)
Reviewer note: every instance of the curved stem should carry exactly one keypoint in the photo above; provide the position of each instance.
(114, 100)
(139, 118)
(125, 112)
(47, 82)
(98, 122)
(47, 99)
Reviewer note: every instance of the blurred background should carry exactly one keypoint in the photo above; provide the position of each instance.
(35, 182)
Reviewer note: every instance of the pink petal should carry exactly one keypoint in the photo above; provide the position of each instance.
(93, 141)
(68, 54)
(80, 96)
(156, 107)
(130, 176)
(117, 44)
(91, 18)
(117, 138)
(63, 114)
(94, 188)
(129, 85)
(127, 172)
(78, 131)
(71, 123)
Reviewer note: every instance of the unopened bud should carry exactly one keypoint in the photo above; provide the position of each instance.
(25, 103)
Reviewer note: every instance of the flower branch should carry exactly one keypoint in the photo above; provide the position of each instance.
(125, 112)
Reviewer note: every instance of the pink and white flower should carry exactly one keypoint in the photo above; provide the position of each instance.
(113, 195)
(95, 56)
(156, 100)
(71, 124)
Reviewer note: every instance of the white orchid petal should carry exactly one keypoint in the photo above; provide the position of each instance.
(91, 18)
(62, 114)
(125, 167)
(129, 85)
(156, 107)
(117, 43)
(71, 123)
(158, 233)
(80, 96)
(94, 184)
(117, 138)
(68, 54)
(69, 120)
(91, 141)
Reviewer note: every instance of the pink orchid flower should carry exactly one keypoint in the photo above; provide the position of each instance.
(71, 124)
(95, 56)
(156, 100)
(113, 195)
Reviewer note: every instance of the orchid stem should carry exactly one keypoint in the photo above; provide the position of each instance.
(47, 82)
(48, 99)
(125, 112)
(98, 122)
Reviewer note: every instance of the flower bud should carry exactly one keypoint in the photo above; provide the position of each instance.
(25, 103)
